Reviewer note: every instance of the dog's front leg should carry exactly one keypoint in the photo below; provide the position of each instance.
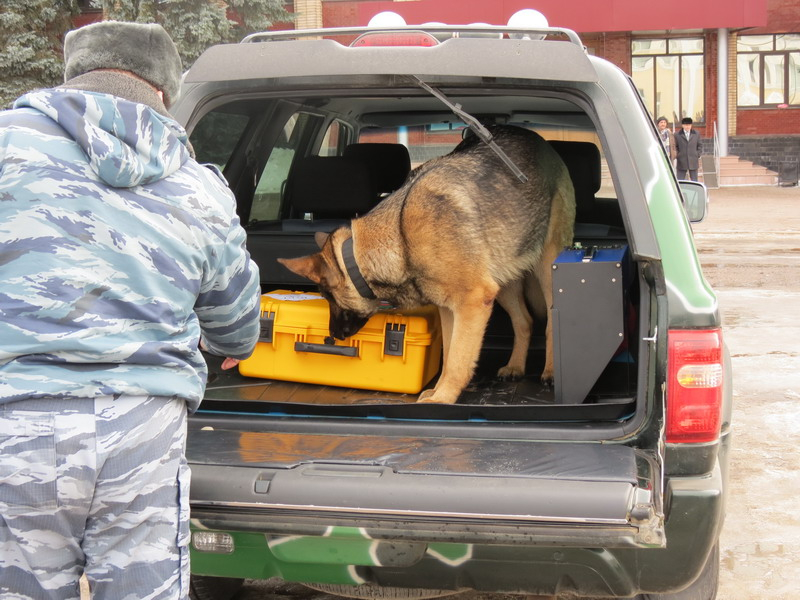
(469, 320)
(446, 322)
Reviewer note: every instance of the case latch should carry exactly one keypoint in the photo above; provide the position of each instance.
(267, 322)
(395, 338)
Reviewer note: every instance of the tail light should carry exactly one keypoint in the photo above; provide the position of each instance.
(694, 386)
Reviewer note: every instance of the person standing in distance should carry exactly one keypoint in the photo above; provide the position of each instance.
(687, 144)
(667, 139)
(119, 256)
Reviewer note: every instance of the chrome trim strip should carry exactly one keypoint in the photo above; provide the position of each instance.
(411, 513)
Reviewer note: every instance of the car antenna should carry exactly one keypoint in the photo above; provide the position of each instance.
(476, 126)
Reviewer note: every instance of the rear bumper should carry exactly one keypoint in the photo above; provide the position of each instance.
(534, 558)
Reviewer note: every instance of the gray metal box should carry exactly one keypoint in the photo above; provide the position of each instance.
(588, 312)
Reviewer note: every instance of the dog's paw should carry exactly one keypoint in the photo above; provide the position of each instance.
(547, 378)
(431, 397)
(509, 373)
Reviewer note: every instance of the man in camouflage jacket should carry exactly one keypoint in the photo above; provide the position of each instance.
(119, 254)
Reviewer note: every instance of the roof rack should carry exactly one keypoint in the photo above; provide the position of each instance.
(293, 34)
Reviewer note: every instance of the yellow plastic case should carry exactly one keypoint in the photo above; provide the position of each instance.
(394, 352)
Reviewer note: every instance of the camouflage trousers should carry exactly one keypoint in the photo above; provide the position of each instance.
(96, 487)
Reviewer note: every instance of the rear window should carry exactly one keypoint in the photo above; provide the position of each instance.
(423, 142)
(436, 139)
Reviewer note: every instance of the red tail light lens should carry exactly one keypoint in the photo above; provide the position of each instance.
(694, 386)
(392, 38)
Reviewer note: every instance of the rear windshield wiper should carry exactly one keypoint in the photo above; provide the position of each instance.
(475, 125)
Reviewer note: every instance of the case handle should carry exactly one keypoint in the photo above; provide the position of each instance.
(326, 349)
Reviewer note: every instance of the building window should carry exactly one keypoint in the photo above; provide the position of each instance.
(768, 69)
(670, 76)
(89, 6)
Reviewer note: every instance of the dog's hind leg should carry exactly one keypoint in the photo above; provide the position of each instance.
(559, 235)
(512, 299)
(470, 316)
(544, 275)
(542, 284)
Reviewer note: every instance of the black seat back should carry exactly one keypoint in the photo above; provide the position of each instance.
(595, 218)
(325, 192)
(583, 163)
(388, 164)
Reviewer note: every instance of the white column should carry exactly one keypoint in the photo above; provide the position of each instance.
(722, 91)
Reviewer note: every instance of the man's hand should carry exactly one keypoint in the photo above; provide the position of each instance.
(229, 363)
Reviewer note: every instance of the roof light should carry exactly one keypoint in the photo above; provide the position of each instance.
(387, 18)
(395, 38)
(694, 386)
(478, 34)
(527, 17)
(406, 37)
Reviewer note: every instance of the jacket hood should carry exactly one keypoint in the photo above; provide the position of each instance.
(127, 144)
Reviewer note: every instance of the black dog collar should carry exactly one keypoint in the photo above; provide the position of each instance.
(354, 272)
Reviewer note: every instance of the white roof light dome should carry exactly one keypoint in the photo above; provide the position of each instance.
(387, 18)
(527, 17)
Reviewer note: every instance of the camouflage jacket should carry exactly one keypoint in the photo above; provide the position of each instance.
(117, 252)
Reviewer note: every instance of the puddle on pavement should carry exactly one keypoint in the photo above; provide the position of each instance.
(764, 566)
(759, 550)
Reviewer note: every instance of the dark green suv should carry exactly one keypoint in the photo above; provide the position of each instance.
(609, 484)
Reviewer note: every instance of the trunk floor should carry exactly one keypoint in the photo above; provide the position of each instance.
(486, 397)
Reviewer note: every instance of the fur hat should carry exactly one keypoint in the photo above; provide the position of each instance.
(145, 50)
(686, 121)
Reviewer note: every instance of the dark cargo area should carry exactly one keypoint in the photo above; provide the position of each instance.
(298, 165)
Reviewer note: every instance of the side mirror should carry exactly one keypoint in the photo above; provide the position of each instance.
(695, 200)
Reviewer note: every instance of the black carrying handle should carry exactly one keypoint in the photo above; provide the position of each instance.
(326, 349)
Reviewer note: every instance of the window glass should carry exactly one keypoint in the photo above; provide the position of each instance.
(336, 138)
(216, 135)
(667, 97)
(766, 69)
(424, 142)
(794, 78)
(649, 47)
(692, 82)
(642, 74)
(671, 80)
(748, 80)
(788, 41)
(754, 43)
(686, 46)
(269, 190)
(773, 79)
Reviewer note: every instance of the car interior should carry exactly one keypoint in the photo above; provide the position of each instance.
(299, 164)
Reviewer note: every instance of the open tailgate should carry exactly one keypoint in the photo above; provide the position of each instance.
(254, 475)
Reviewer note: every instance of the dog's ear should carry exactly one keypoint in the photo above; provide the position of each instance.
(311, 267)
(321, 237)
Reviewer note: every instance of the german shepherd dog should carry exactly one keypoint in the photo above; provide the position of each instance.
(460, 233)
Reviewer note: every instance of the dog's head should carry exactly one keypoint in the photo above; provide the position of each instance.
(349, 310)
